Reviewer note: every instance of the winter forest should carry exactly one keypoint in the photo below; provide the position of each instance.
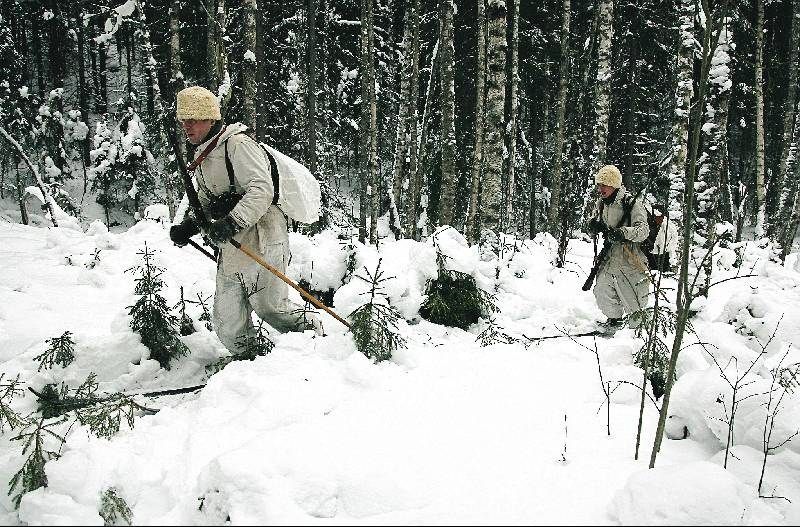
(467, 377)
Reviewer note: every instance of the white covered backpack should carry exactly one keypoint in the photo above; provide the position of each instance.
(297, 191)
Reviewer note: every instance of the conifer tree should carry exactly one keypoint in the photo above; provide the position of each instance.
(374, 324)
(151, 317)
(113, 509)
(37, 439)
(453, 298)
(8, 390)
(61, 351)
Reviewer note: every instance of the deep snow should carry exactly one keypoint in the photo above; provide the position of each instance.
(447, 432)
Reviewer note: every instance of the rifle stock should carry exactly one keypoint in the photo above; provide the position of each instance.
(601, 256)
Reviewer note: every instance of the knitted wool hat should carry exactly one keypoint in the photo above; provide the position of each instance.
(196, 102)
(609, 175)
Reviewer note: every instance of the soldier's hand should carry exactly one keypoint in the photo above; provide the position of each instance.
(596, 226)
(615, 235)
(223, 230)
(181, 233)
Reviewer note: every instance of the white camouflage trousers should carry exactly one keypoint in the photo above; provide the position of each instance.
(621, 291)
(254, 288)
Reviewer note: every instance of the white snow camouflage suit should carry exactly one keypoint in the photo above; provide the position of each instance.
(265, 232)
(621, 286)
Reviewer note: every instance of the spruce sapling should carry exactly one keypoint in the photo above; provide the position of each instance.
(8, 390)
(184, 321)
(205, 316)
(61, 351)
(35, 443)
(113, 509)
(256, 345)
(150, 315)
(454, 298)
(374, 325)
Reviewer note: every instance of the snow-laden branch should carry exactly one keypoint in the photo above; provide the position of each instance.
(111, 27)
(47, 198)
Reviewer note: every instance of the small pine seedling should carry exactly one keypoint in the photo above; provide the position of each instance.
(184, 320)
(36, 438)
(250, 346)
(8, 390)
(374, 325)
(61, 351)
(150, 315)
(113, 509)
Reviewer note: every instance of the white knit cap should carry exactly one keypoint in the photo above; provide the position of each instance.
(196, 102)
(609, 175)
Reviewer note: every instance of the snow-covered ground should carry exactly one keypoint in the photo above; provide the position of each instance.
(447, 432)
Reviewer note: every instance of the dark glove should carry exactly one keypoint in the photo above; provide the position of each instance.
(223, 230)
(615, 235)
(180, 234)
(596, 226)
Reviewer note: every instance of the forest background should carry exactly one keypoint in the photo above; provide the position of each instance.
(487, 116)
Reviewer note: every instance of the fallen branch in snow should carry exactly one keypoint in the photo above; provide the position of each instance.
(593, 333)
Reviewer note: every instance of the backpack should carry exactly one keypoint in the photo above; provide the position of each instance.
(661, 238)
(297, 191)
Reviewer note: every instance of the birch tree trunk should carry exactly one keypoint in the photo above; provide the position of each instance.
(511, 127)
(448, 125)
(553, 215)
(420, 197)
(495, 116)
(480, 119)
(676, 168)
(413, 179)
(404, 124)
(602, 89)
(758, 91)
(368, 129)
(248, 75)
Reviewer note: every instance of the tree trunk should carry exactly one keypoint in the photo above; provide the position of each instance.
(554, 212)
(495, 116)
(311, 88)
(685, 294)
(448, 128)
(368, 128)
(404, 125)
(758, 91)
(511, 128)
(676, 169)
(480, 119)
(414, 181)
(602, 88)
(786, 184)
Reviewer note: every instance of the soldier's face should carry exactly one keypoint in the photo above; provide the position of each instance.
(196, 129)
(604, 190)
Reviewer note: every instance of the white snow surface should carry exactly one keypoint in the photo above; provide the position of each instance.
(446, 432)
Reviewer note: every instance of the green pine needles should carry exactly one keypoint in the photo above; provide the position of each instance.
(454, 299)
(36, 438)
(61, 352)
(8, 390)
(374, 325)
(251, 346)
(113, 509)
(151, 316)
